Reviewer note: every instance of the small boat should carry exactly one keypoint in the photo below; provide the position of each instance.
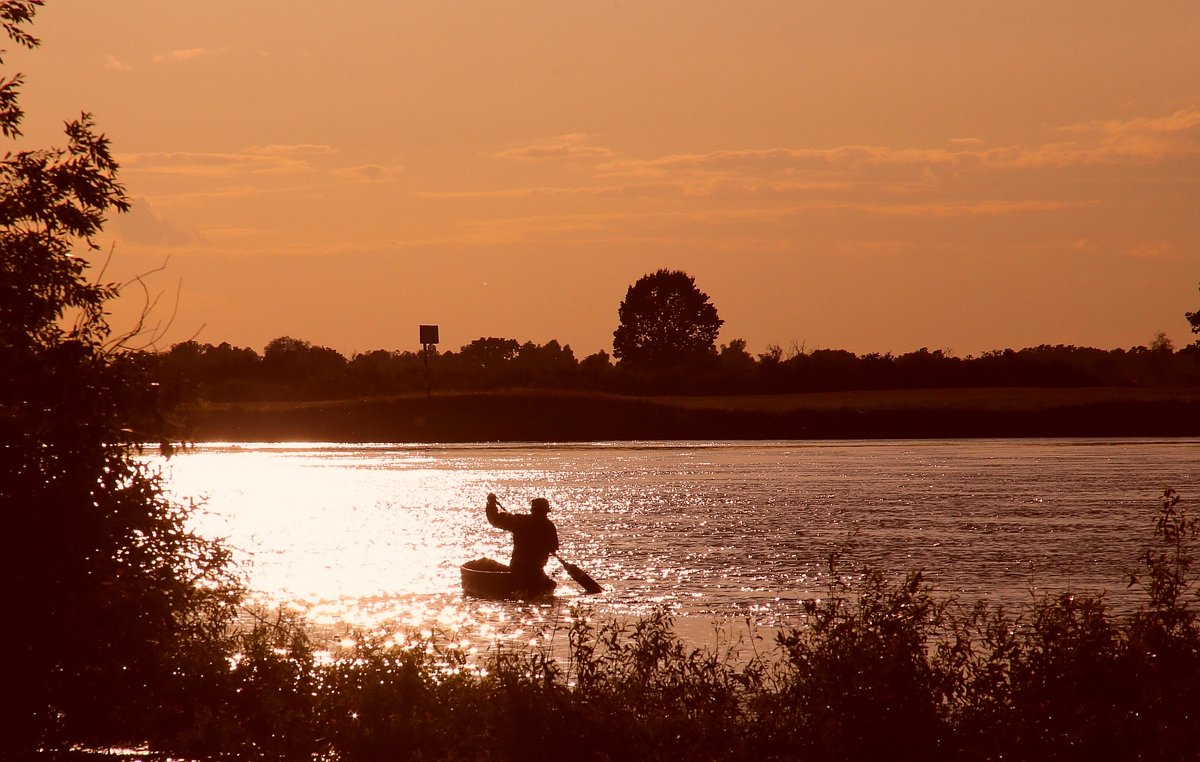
(486, 578)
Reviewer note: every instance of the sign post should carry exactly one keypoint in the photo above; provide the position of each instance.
(429, 339)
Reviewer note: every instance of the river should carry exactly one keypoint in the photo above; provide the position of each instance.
(371, 535)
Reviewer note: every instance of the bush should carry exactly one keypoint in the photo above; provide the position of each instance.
(117, 609)
(858, 678)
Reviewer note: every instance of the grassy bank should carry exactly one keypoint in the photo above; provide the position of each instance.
(878, 668)
(582, 416)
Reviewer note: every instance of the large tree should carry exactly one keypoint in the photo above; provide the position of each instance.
(665, 320)
(114, 608)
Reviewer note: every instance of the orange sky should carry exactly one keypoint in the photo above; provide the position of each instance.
(871, 176)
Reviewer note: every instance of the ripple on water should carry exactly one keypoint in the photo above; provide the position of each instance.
(371, 536)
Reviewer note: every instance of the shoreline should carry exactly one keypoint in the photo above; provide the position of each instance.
(561, 416)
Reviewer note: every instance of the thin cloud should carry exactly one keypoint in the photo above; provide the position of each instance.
(550, 191)
(1146, 139)
(212, 164)
(233, 238)
(786, 160)
(112, 63)
(682, 224)
(245, 191)
(787, 171)
(1184, 120)
(968, 166)
(184, 55)
(573, 146)
(1151, 250)
(369, 173)
(274, 160)
(143, 225)
(782, 191)
(1139, 140)
(973, 208)
(297, 149)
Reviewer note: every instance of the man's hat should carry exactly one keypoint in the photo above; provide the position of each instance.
(540, 505)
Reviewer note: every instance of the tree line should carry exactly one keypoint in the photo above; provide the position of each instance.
(293, 369)
(664, 343)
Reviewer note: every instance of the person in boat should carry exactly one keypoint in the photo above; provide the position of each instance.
(534, 536)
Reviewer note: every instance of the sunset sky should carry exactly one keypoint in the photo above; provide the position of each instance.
(872, 176)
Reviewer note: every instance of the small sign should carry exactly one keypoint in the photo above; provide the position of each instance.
(429, 334)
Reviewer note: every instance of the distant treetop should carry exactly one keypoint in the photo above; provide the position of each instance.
(666, 320)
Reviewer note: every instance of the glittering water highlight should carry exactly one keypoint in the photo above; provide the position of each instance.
(361, 535)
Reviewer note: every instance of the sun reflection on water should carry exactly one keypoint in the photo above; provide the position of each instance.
(354, 543)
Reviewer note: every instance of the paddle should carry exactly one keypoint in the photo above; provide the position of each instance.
(582, 578)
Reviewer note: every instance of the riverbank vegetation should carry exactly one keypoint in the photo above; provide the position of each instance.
(294, 370)
(502, 390)
(878, 668)
(573, 416)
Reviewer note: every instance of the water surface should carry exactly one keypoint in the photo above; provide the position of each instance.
(372, 535)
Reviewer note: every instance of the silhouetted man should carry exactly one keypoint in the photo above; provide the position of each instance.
(535, 539)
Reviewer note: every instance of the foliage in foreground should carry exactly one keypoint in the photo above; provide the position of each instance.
(115, 612)
(878, 669)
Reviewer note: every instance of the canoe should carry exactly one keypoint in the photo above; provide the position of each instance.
(486, 578)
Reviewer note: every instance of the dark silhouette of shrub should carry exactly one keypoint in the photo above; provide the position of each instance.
(119, 610)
